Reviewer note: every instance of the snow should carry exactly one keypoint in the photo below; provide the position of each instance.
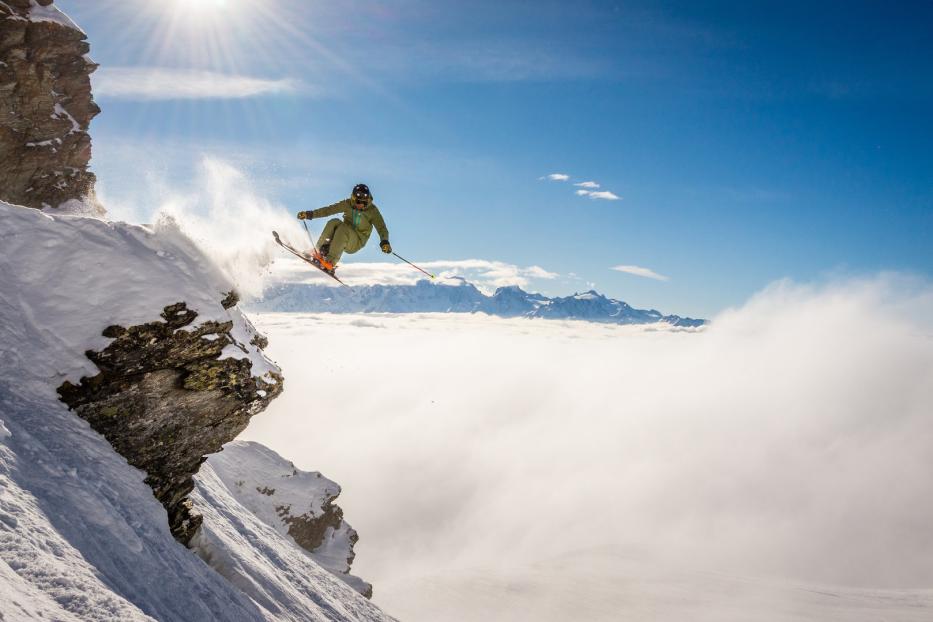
(81, 535)
(94, 274)
(46, 143)
(271, 487)
(243, 333)
(271, 570)
(51, 13)
(60, 112)
(74, 518)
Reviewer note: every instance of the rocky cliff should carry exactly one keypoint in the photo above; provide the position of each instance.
(45, 106)
(167, 395)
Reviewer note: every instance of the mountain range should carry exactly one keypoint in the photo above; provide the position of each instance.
(460, 296)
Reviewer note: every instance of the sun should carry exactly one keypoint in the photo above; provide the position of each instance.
(200, 6)
(205, 9)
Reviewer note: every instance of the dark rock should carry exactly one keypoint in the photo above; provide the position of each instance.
(45, 109)
(164, 399)
(308, 529)
(260, 341)
(230, 300)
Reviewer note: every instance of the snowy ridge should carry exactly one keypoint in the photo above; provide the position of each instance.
(66, 278)
(81, 535)
(459, 297)
(287, 499)
(272, 571)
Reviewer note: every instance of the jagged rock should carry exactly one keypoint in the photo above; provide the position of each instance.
(307, 529)
(230, 300)
(45, 106)
(165, 397)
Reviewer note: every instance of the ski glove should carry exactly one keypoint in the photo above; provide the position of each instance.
(304, 215)
(385, 246)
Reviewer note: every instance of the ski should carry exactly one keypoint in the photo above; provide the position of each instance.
(297, 253)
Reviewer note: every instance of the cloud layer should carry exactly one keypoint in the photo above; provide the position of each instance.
(158, 83)
(792, 438)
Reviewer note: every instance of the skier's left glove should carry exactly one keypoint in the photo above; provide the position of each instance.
(385, 246)
(304, 216)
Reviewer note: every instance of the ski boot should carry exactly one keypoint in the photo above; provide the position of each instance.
(321, 262)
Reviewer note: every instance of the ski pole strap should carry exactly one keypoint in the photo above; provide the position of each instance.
(414, 266)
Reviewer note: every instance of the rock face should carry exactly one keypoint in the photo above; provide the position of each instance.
(167, 395)
(45, 106)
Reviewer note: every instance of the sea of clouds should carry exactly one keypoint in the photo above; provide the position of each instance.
(792, 440)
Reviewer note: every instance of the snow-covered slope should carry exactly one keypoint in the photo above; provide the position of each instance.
(297, 504)
(458, 296)
(276, 575)
(81, 535)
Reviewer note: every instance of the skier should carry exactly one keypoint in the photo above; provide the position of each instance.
(349, 235)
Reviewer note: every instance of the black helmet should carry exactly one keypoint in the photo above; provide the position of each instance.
(361, 193)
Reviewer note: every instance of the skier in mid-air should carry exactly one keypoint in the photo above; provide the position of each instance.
(350, 234)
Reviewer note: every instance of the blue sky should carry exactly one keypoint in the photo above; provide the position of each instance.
(747, 141)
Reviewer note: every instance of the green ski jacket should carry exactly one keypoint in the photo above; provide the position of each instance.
(362, 220)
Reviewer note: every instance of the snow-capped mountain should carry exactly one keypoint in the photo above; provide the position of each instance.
(459, 296)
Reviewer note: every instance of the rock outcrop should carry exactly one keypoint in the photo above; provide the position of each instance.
(168, 393)
(45, 106)
(298, 504)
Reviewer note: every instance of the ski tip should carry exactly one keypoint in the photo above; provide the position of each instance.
(275, 235)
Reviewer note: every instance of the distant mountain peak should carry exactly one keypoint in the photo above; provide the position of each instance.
(461, 296)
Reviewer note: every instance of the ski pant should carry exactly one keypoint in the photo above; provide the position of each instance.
(341, 237)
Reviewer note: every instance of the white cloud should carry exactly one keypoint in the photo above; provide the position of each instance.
(158, 83)
(486, 275)
(585, 188)
(605, 195)
(643, 272)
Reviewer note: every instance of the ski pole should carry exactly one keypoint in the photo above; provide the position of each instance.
(414, 266)
(308, 231)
